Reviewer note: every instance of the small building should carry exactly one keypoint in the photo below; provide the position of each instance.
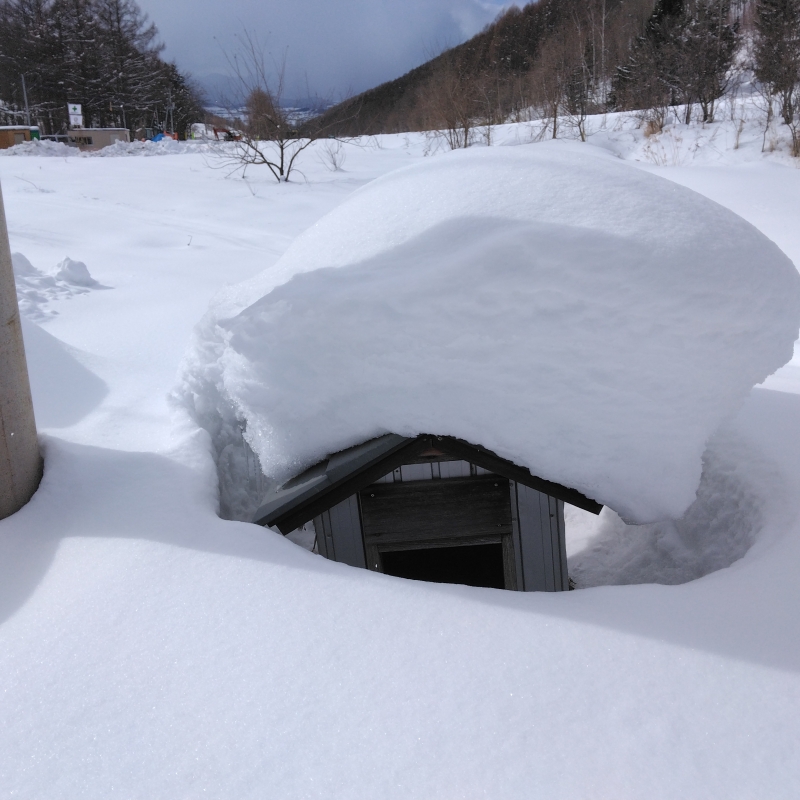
(11, 135)
(97, 138)
(432, 508)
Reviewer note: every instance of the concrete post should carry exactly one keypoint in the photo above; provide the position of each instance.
(20, 461)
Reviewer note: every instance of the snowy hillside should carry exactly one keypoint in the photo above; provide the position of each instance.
(150, 649)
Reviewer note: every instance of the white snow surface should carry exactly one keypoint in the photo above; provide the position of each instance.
(150, 649)
(38, 291)
(591, 322)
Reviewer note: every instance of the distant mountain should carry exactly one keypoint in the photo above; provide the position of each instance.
(222, 97)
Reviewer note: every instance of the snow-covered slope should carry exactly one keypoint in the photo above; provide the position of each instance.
(149, 649)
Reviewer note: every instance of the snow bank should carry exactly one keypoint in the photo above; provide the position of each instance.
(42, 148)
(166, 147)
(584, 319)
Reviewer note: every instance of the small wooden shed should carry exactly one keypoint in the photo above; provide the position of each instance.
(98, 138)
(14, 134)
(432, 508)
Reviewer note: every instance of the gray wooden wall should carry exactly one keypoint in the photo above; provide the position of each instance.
(539, 550)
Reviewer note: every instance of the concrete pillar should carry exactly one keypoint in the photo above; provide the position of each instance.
(20, 461)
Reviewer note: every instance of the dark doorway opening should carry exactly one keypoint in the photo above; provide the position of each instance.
(472, 565)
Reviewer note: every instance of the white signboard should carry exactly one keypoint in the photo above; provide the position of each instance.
(75, 115)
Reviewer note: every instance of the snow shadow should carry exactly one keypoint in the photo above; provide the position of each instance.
(715, 532)
(64, 391)
(95, 492)
(745, 612)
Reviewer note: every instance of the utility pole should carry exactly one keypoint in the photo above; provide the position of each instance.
(20, 461)
(25, 97)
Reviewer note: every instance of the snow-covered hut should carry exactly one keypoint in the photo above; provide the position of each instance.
(433, 508)
(568, 315)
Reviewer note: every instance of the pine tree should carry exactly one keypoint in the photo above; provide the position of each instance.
(707, 46)
(683, 57)
(777, 52)
(103, 54)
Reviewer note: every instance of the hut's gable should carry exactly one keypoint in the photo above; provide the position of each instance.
(432, 508)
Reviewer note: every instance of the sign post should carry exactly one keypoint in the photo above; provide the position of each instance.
(75, 115)
(20, 462)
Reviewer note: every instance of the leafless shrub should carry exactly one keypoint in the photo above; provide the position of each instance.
(267, 132)
(332, 155)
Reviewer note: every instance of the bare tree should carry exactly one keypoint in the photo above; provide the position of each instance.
(266, 131)
(332, 155)
(549, 83)
(448, 100)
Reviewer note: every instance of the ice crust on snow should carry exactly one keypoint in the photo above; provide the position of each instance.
(586, 320)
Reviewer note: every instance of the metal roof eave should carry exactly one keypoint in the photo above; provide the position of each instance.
(334, 479)
(325, 476)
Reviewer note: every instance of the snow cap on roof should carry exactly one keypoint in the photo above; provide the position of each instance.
(587, 320)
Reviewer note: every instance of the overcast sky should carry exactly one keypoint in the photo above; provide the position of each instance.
(340, 45)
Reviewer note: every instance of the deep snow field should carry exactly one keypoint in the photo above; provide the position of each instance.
(150, 649)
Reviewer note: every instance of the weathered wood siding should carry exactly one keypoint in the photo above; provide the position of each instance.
(449, 504)
(431, 510)
(426, 513)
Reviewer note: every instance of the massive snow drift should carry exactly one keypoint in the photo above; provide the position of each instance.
(584, 319)
(152, 651)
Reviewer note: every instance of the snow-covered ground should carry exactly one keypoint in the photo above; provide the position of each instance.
(149, 649)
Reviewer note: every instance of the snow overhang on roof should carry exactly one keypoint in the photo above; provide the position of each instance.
(577, 316)
(332, 480)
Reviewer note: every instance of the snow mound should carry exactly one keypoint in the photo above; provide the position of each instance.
(42, 148)
(589, 321)
(75, 273)
(166, 147)
(38, 290)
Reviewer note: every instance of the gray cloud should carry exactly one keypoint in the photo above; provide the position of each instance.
(339, 45)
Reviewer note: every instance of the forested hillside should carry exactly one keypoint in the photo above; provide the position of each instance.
(103, 54)
(562, 60)
(513, 63)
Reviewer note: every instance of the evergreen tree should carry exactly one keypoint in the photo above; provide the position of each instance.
(651, 78)
(683, 57)
(706, 49)
(103, 54)
(777, 52)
